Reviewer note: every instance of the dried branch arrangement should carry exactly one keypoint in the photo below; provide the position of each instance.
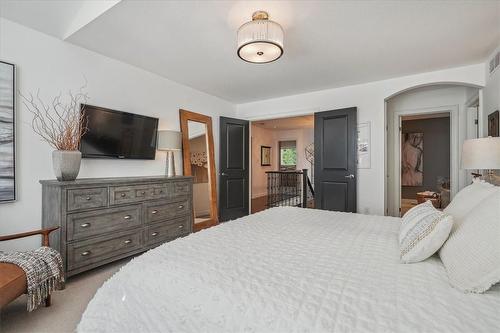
(60, 124)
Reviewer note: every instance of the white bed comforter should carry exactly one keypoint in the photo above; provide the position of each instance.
(288, 270)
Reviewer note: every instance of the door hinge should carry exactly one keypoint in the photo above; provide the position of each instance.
(400, 129)
(400, 209)
(476, 122)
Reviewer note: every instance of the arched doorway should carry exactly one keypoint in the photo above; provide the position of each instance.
(425, 128)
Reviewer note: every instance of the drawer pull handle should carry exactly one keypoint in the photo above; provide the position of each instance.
(161, 191)
(128, 241)
(154, 211)
(127, 217)
(154, 234)
(88, 198)
(85, 225)
(143, 192)
(123, 195)
(180, 227)
(86, 253)
(180, 206)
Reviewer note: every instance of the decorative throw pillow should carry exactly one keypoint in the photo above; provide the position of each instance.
(468, 198)
(471, 255)
(423, 230)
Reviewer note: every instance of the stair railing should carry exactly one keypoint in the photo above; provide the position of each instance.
(289, 188)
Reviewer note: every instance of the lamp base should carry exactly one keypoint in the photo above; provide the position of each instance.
(170, 165)
(489, 176)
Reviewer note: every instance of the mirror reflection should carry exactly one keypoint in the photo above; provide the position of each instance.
(198, 144)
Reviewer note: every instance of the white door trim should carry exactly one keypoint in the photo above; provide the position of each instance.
(394, 200)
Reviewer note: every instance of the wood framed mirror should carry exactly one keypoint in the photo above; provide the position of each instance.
(199, 162)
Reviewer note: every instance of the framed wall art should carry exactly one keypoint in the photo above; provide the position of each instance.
(412, 159)
(7, 133)
(364, 146)
(265, 155)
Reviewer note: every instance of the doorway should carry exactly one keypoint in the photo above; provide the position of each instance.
(321, 147)
(308, 158)
(280, 151)
(429, 101)
(425, 160)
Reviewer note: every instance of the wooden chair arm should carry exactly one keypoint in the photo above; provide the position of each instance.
(44, 232)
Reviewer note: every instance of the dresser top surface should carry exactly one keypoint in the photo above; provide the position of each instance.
(113, 180)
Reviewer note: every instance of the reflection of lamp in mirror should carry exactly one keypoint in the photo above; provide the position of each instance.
(169, 141)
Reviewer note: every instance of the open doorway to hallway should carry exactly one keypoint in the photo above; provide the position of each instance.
(425, 160)
(282, 162)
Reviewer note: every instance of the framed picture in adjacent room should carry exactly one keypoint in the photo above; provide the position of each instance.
(493, 123)
(7, 133)
(265, 156)
(412, 159)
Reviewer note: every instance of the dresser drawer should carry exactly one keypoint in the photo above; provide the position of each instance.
(160, 191)
(161, 233)
(99, 222)
(166, 210)
(180, 189)
(85, 198)
(137, 193)
(93, 251)
(129, 194)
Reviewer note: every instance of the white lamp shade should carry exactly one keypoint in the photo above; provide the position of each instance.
(169, 140)
(481, 154)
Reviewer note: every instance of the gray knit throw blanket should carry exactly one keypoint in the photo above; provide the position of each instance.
(44, 272)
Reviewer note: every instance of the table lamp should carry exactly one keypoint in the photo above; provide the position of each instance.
(482, 154)
(170, 141)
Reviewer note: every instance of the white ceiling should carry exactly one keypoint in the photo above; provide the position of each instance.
(289, 123)
(327, 43)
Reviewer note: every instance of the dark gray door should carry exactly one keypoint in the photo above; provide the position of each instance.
(233, 165)
(335, 141)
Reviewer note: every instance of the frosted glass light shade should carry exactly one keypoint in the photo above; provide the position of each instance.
(481, 154)
(260, 40)
(169, 140)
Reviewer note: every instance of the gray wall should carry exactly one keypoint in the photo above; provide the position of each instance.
(436, 152)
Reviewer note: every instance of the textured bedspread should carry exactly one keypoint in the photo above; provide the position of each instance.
(288, 270)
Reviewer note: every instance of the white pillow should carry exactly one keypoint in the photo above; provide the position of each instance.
(423, 230)
(469, 197)
(471, 255)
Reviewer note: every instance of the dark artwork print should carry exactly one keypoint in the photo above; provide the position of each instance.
(412, 159)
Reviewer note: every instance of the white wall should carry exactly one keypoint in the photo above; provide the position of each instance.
(262, 137)
(369, 98)
(51, 65)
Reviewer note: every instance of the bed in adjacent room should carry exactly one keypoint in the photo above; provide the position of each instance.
(288, 270)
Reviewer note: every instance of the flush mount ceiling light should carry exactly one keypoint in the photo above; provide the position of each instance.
(260, 40)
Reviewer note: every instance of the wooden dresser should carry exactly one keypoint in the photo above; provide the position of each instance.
(106, 219)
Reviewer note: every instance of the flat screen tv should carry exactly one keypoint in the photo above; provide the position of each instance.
(116, 134)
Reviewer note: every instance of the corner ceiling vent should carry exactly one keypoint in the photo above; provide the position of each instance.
(494, 62)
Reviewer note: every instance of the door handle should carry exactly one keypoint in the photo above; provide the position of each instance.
(351, 176)
(223, 174)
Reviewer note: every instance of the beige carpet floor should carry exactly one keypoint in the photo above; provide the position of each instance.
(67, 307)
